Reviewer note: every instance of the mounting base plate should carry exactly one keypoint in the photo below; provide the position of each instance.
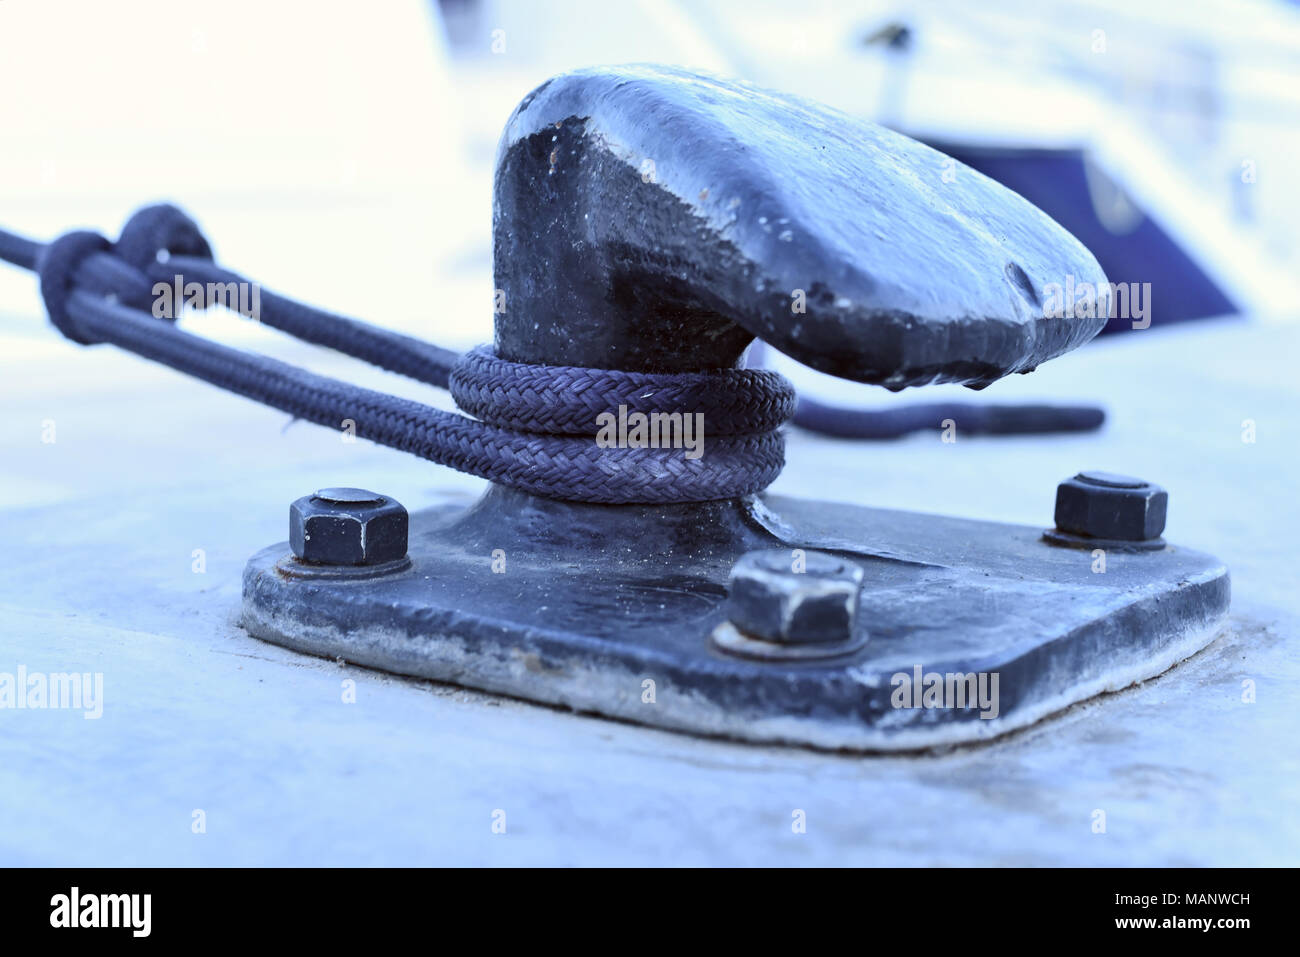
(612, 609)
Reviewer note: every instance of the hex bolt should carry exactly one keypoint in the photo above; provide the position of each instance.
(347, 526)
(770, 600)
(1107, 506)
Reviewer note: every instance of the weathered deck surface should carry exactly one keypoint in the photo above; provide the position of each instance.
(99, 528)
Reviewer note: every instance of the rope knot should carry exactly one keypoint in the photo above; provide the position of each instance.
(161, 228)
(86, 261)
(57, 267)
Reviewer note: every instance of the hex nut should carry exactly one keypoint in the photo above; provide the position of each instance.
(768, 599)
(1116, 507)
(347, 527)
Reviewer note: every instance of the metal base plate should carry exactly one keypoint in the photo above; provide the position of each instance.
(611, 609)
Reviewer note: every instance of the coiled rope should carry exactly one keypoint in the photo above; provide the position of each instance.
(538, 422)
(535, 425)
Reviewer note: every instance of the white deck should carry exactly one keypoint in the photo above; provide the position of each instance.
(95, 575)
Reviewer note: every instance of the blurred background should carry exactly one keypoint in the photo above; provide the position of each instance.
(1164, 134)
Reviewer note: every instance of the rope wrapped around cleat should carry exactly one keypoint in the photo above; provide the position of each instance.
(538, 426)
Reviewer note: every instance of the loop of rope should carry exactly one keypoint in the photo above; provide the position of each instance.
(86, 260)
(161, 228)
(567, 400)
(57, 264)
(539, 422)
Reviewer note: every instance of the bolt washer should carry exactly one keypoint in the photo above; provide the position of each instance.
(727, 637)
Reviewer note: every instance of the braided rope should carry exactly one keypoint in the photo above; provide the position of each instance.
(566, 400)
(567, 467)
(540, 422)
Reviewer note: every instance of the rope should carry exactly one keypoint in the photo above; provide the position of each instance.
(540, 421)
(970, 418)
(565, 400)
(535, 426)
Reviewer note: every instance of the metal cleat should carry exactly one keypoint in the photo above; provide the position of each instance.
(651, 219)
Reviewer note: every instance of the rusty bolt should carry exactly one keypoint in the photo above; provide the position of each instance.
(347, 526)
(778, 596)
(1117, 507)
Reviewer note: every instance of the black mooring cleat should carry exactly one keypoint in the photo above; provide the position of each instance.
(652, 219)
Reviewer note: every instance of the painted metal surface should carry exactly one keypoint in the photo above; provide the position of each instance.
(653, 218)
(543, 601)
